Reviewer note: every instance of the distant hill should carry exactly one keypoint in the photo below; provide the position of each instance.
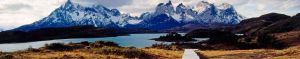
(270, 30)
(269, 23)
(286, 25)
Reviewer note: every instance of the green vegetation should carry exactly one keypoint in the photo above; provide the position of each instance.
(72, 46)
(104, 43)
(174, 37)
(270, 40)
(166, 47)
(6, 56)
(58, 46)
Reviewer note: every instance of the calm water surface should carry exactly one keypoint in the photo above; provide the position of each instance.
(135, 40)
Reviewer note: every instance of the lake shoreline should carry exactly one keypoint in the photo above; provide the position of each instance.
(136, 40)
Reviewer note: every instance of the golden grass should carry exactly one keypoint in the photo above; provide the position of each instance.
(164, 54)
(92, 54)
(89, 50)
(289, 53)
(64, 55)
(292, 37)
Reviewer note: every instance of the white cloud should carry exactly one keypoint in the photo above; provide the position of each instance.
(14, 13)
(106, 3)
(255, 8)
(248, 8)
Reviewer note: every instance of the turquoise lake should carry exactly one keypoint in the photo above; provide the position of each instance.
(135, 40)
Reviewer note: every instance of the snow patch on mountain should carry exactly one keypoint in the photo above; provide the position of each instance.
(177, 17)
(164, 17)
(224, 6)
(134, 21)
(202, 6)
(204, 14)
(74, 14)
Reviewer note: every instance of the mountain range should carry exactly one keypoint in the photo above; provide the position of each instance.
(165, 17)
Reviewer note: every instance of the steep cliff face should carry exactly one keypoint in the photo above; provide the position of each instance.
(203, 15)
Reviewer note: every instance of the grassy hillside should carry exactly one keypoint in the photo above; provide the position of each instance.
(289, 53)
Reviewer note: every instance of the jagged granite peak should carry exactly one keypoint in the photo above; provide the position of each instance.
(145, 16)
(224, 6)
(169, 3)
(74, 14)
(68, 2)
(181, 8)
(159, 22)
(181, 5)
(164, 17)
(164, 8)
(203, 14)
(115, 12)
(202, 6)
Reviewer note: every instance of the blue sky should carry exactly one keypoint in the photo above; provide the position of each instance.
(14, 13)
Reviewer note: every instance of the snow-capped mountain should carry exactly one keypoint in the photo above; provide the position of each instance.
(203, 14)
(74, 14)
(165, 17)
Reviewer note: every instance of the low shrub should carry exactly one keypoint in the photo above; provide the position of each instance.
(270, 41)
(86, 43)
(126, 52)
(72, 46)
(57, 46)
(107, 43)
(180, 46)
(104, 43)
(174, 37)
(166, 46)
(6, 56)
